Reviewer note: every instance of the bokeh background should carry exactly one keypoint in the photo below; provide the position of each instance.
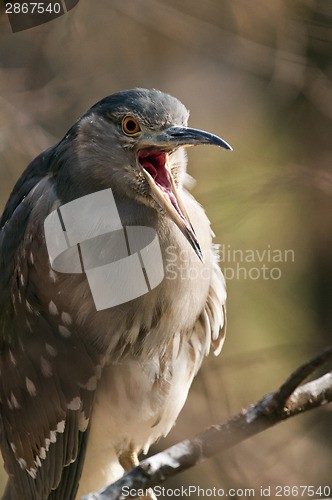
(259, 75)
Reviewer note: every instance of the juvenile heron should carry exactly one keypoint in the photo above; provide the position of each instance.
(83, 391)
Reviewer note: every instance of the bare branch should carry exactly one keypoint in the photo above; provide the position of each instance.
(284, 392)
(287, 401)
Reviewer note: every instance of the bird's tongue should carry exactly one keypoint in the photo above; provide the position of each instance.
(155, 165)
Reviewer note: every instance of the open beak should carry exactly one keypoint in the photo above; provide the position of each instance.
(152, 158)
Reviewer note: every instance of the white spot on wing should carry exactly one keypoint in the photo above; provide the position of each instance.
(46, 367)
(75, 404)
(51, 350)
(47, 444)
(13, 447)
(91, 384)
(52, 439)
(63, 330)
(66, 318)
(83, 423)
(53, 436)
(31, 258)
(53, 308)
(30, 386)
(22, 463)
(32, 473)
(61, 426)
(14, 402)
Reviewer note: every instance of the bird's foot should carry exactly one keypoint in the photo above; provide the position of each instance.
(149, 495)
(128, 459)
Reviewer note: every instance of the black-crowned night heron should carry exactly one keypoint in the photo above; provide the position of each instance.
(88, 381)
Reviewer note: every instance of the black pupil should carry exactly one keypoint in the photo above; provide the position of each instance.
(131, 125)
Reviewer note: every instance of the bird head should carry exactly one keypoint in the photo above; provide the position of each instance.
(135, 140)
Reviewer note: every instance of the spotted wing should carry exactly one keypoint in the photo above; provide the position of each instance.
(48, 374)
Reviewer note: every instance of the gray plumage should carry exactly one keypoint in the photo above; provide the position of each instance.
(84, 391)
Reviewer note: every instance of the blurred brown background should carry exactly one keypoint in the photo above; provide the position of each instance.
(259, 75)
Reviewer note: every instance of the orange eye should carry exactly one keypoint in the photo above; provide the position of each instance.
(130, 126)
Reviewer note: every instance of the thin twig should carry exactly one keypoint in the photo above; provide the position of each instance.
(294, 380)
